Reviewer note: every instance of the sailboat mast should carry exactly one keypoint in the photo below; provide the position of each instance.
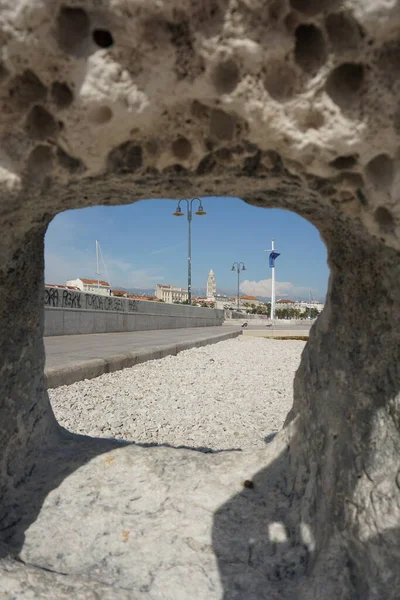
(97, 264)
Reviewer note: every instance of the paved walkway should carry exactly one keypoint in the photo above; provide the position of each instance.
(277, 330)
(71, 358)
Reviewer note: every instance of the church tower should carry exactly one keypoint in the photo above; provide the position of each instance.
(211, 286)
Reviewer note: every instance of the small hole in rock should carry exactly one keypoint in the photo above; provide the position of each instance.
(344, 162)
(291, 21)
(73, 27)
(310, 50)
(3, 72)
(199, 110)
(41, 158)
(280, 81)
(152, 147)
(343, 32)
(103, 38)
(313, 120)
(26, 89)
(344, 84)
(61, 95)
(380, 171)
(249, 484)
(101, 115)
(385, 219)
(126, 158)
(40, 124)
(70, 163)
(350, 180)
(226, 76)
(181, 148)
(222, 125)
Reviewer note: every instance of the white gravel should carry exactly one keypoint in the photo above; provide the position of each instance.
(227, 395)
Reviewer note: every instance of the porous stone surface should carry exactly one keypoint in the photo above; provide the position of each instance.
(221, 397)
(290, 104)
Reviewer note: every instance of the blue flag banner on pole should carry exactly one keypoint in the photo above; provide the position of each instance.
(272, 258)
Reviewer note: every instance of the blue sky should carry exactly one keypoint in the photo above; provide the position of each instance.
(143, 244)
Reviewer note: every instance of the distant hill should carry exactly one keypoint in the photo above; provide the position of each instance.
(138, 291)
(199, 292)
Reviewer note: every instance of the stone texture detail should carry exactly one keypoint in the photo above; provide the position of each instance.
(290, 104)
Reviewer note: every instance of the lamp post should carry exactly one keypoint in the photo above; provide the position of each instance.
(179, 213)
(238, 267)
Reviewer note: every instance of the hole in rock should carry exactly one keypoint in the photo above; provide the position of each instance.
(102, 38)
(344, 162)
(40, 124)
(149, 403)
(40, 158)
(385, 220)
(70, 163)
(101, 115)
(222, 125)
(73, 28)
(182, 148)
(310, 50)
(226, 76)
(380, 171)
(126, 158)
(26, 89)
(61, 94)
(343, 32)
(344, 84)
(280, 81)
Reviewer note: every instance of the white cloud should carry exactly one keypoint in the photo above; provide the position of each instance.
(58, 269)
(143, 278)
(167, 249)
(120, 265)
(283, 289)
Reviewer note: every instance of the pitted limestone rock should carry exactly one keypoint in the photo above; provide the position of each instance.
(298, 91)
(286, 103)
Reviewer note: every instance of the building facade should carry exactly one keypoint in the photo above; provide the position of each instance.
(211, 286)
(92, 286)
(302, 305)
(171, 294)
(246, 300)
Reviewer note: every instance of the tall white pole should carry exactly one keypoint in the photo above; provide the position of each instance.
(273, 287)
(273, 255)
(97, 264)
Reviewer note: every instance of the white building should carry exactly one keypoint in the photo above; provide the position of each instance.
(249, 300)
(302, 305)
(211, 286)
(170, 293)
(92, 286)
(224, 302)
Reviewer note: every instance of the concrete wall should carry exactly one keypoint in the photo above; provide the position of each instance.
(69, 313)
(234, 314)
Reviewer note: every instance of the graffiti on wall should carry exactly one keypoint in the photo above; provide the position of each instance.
(59, 298)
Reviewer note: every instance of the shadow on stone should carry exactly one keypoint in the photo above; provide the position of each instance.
(66, 455)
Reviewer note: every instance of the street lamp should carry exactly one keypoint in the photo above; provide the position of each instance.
(178, 213)
(239, 267)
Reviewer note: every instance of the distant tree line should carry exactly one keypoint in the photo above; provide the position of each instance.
(280, 313)
(194, 303)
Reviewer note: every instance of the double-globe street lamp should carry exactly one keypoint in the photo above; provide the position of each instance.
(178, 213)
(238, 267)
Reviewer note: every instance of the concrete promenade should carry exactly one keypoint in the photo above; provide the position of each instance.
(278, 330)
(73, 358)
